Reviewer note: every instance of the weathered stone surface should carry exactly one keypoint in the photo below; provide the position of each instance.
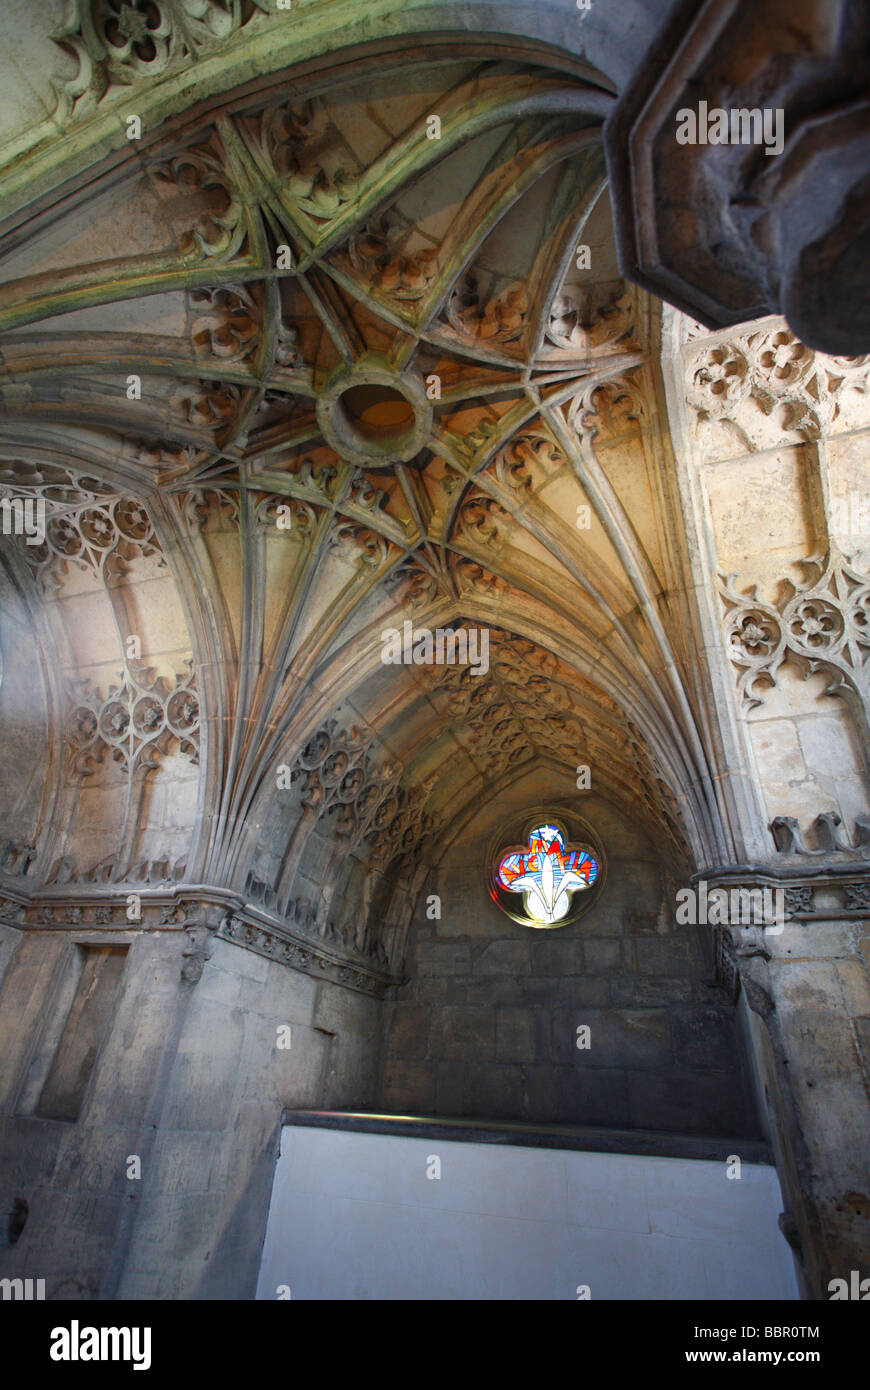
(444, 957)
(496, 1095)
(704, 1038)
(854, 978)
(460, 1031)
(667, 956)
(409, 1086)
(559, 957)
(602, 957)
(409, 1034)
(342, 1011)
(593, 1097)
(591, 991)
(503, 958)
(619, 1038)
(642, 990)
(514, 1036)
(656, 1102)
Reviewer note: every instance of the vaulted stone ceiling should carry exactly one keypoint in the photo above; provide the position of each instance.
(377, 381)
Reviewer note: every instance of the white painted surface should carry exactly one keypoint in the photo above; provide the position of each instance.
(354, 1216)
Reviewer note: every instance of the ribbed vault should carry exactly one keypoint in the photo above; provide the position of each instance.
(353, 357)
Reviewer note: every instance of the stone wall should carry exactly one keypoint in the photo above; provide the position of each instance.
(24, 745)
(190, 1079)
(812, 1035)
(774, 472)
(487, 1025)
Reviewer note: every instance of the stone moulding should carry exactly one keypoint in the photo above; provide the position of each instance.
(12, 908)
(97, 916)
(847, 887)
(733, 943)
(99, 909)
(725, 972)
(270, 938)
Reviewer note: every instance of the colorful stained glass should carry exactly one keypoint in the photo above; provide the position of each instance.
(547, 873)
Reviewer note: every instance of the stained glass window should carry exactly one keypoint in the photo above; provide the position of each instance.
(548, 873)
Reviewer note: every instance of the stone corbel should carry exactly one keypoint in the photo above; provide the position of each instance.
(829, 834)
(200, 933)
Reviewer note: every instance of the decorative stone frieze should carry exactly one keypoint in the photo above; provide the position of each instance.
(272, 939)
(828, 893)
(201, 915)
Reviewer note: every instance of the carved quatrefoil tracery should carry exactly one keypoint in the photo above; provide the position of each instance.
(767, 384)
(135, 721)
(823, 625)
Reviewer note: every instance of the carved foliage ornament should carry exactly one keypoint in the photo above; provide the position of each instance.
(293, 138)
(520, 706)
(204, 506)
(226, 323)
(527, 461)
(500, 318)
(381, 256)
(582, 322)
(201, 172)
(211, 406)
(608, 408)
(119, 42)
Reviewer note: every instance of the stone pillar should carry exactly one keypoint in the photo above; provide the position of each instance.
(809, 988)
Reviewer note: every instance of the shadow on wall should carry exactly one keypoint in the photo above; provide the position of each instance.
(234, 1264)
(23, 718)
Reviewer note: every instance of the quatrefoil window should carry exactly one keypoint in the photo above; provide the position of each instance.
(548, 872)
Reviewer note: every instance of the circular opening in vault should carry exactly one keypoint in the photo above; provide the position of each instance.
(377, 414)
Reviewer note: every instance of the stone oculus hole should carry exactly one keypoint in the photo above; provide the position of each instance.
(377, 414)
